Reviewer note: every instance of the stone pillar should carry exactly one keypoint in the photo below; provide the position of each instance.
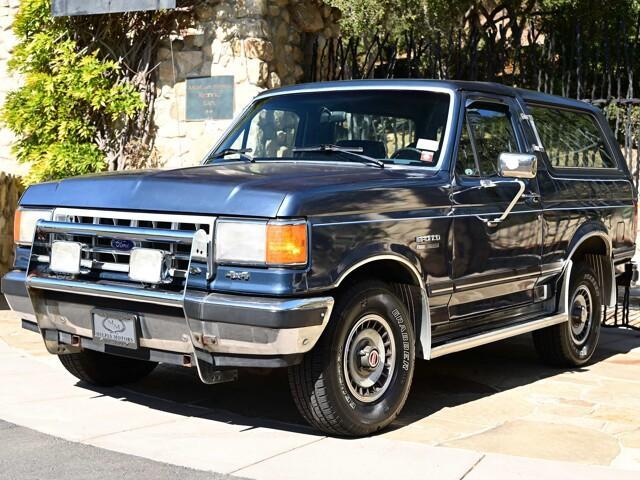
(10, 191)
(259, 42)
(8, 9)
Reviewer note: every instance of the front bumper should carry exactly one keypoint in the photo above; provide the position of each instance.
(205, 329)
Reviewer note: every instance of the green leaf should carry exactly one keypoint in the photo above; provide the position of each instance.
(69, 94)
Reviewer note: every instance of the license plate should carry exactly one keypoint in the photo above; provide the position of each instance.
(116, 328)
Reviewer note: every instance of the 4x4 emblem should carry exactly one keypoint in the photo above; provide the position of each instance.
(232, 275)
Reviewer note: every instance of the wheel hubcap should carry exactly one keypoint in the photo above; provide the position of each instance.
(581, 315)
(369, 358)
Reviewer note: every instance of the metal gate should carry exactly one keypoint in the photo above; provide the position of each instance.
(585, 56)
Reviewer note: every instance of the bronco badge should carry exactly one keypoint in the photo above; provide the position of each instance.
(427, 241)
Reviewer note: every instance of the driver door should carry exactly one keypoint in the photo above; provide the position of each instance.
(495, 266)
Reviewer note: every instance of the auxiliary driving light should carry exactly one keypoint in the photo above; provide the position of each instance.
(66, 257)
(148, 265)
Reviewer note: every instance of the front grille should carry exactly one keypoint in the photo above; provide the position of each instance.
(103, 256)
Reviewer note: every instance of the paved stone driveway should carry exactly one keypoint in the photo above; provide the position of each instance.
(496, 400)
(500, 399)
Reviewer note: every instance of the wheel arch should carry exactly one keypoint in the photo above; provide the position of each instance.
(591, 244)
(397, 269)
(590, 239)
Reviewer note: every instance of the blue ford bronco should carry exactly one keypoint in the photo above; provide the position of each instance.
(342, 231)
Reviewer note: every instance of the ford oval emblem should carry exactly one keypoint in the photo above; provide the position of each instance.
(122, 245)
(113, 325)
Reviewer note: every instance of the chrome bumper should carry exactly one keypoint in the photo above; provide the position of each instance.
(212, 329)
(220, 329)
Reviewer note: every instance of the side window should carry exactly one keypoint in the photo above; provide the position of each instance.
(487, 132)
(571, 139)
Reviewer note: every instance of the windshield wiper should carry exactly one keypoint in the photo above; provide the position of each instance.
(233, 151)
(354, 152)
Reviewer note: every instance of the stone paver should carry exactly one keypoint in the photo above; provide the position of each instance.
(500, 399)
(494, 467)
(539, 439)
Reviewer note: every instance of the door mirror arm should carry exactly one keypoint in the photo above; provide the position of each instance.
(519, 166)
(491, 184)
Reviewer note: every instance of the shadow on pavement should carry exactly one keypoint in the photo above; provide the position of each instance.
(467, 376)
(263, 400)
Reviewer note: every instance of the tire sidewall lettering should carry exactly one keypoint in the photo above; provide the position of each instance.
(341, 380)
(390, 311)
(404, 335)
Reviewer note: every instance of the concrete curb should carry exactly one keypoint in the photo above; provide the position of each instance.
(45, 398)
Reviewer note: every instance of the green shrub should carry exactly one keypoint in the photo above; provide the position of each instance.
(71, 101)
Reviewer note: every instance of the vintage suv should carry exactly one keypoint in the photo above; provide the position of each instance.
(341, 230)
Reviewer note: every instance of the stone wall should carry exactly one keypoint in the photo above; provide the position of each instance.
(261, 43)
(10, 190)
(8, 9)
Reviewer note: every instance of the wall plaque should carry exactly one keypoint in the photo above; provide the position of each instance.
(210, 98)
(65, 8)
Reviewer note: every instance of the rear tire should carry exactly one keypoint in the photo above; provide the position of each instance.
(105, 370)
(357, 378)
(573, 343)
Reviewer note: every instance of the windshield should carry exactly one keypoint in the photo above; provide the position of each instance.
(396, 127)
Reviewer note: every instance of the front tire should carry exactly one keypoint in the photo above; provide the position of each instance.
(573, 343)
(357, 378)
(105, 370)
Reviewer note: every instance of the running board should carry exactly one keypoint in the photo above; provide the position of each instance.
(496, 335)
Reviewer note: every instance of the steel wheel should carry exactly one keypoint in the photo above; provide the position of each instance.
(573, 343)
(369, 358)
(357, 378)
(581, 315)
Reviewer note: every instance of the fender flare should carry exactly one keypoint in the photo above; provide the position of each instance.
(585, 232)
(606, 269)
(424, 341)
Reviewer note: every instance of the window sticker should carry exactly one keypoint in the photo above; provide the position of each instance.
(426, 156)
(425, 144)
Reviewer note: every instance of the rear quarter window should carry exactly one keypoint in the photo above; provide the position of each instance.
(572, 139)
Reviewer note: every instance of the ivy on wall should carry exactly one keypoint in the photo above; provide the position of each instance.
(86, 103)
(70, 97)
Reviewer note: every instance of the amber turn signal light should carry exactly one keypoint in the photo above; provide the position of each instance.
(286, 244)
(16, 226)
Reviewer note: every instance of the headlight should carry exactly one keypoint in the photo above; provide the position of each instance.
(274, 243)
(241, 242)
(24, 224)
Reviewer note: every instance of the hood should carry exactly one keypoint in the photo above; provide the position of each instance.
(262, 189)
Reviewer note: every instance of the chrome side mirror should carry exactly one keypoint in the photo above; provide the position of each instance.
(517, 165)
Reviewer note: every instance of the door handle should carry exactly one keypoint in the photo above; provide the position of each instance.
(531, 197)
